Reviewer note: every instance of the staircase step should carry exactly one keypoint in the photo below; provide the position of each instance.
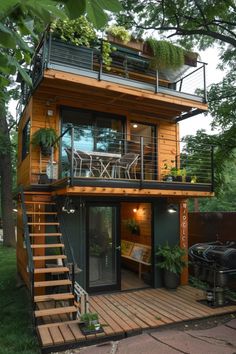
(46, 258)
(51, 270)
(48, 245)
(41, 213)
(42, 284)
(55, 311)
(55, 297)
(44, 223)
(46, 234)
(55, 324)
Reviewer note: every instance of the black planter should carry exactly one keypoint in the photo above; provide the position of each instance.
(46, 150)
(171, 280)
(188, 179)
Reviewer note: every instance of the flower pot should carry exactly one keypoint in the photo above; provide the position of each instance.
(171, 280)
(45, 150)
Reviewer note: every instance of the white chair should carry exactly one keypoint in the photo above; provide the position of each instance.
(126, 163)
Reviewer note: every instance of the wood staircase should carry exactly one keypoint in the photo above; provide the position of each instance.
(51, 284)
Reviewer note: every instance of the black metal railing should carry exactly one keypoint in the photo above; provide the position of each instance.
(30, 264)
(99, 154)
(130, 68)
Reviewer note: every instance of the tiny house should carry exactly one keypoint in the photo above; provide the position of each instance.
(115, 184)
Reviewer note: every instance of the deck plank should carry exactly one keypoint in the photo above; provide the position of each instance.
(74, 327)
(66, 333)
(45, 336)
(56, 335)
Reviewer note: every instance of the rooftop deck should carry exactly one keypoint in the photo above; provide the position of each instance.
(130, 313)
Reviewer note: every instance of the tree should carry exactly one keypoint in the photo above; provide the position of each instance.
(21, 23)
(194, 22)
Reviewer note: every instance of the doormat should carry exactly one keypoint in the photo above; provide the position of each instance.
(228, 302)
(86, 331)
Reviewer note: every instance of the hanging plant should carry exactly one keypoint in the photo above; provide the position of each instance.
(107, 49)
(165, 55)
(78, 32)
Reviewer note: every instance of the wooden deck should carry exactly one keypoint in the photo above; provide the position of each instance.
(128, 313)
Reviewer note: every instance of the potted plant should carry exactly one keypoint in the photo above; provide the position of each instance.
(119, 35)
(90, 324)
(133, 226)
(170, 259)
(45, 138)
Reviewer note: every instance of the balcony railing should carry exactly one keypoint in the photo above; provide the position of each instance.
(98, 156)
(128, 67)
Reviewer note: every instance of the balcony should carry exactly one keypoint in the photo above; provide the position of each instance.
(98, 158)
(129, 68)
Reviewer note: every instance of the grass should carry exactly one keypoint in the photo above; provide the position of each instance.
(16, 329)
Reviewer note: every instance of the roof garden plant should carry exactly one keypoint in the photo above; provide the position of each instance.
(165, 54)
(79, 32)
(120, 33)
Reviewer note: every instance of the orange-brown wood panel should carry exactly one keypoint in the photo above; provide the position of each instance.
(184, 237)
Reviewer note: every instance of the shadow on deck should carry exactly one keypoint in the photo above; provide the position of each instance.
(126, 314)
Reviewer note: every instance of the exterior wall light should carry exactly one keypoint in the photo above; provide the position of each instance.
(172, 208)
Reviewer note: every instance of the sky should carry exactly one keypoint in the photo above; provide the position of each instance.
(213, 75)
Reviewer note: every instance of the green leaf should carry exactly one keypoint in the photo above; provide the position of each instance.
(7, 6)
(5, 66)
(4, 81)
(110, 5)
(7, 39)
(76, 8)
(96, 14)
(25, 76)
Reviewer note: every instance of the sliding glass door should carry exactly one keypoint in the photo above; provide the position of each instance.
(103, 249)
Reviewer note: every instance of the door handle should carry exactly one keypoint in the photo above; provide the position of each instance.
(118, 248)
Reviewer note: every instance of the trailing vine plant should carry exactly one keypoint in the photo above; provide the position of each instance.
(165, 55)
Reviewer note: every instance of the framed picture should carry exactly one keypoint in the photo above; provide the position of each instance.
(137, 252)
(126, 247)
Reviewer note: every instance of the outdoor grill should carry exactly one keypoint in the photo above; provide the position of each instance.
(215, 264)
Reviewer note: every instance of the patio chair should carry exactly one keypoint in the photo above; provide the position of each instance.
(126, 163)
(82, 162)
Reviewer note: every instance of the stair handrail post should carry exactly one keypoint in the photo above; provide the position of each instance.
(72, 156)
(27, 243)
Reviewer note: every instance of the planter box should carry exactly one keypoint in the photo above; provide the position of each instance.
(133, 44)
(85, 331)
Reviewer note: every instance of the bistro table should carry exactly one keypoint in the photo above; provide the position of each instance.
(105, 159)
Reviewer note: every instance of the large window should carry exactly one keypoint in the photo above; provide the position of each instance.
(94, 131)
(25, 140)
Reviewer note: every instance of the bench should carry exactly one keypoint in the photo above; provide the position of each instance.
(136, 252)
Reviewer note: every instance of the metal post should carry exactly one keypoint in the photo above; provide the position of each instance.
(156, 83)
(204, 80)
(101, 61)
(141, 161)
(72, 158)
(212, 169)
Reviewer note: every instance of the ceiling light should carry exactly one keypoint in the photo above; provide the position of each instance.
(135, 125)
(172, 209)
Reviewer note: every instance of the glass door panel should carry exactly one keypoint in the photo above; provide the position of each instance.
(102, 248)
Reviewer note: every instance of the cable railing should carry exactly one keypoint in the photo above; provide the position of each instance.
(110, 155)
(127, 67)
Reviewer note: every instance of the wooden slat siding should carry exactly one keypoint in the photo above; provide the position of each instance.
(23, 167)
(141, 301)
(121, 311)
(45, 337)
(183, 222)
(59, 78)
(101, 191)
(98, 306)
(128, 306)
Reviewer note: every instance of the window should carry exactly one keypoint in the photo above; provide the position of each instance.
(25, 140)
(94, 131)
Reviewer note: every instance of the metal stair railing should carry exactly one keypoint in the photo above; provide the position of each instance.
(28, 247)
